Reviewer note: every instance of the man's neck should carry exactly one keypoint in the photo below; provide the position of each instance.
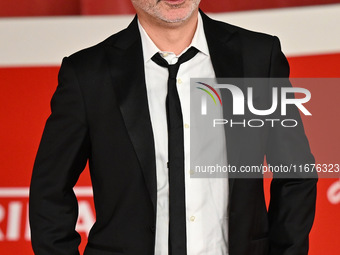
(171, 37)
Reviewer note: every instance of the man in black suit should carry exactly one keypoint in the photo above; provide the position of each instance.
(105, 110)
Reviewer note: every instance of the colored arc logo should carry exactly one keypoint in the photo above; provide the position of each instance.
(209, 93)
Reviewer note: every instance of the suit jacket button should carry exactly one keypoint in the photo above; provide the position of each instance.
(153, 229)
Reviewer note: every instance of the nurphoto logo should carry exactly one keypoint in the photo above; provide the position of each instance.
(243, 100)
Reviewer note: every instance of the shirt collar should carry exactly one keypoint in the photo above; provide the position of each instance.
(199, 41)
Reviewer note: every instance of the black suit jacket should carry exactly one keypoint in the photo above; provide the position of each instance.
(100, 112)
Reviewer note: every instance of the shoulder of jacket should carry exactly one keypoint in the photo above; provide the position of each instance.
(246, 35)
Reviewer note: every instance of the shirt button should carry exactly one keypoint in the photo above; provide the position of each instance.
(179, 81)
(186, 126)
(192, 172)
(165, 54)
(192, 218)
(174, 61)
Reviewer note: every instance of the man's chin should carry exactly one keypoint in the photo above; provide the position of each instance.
(176, 16)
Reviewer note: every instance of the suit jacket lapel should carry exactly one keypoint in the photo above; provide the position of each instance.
(127, 71)
(226, 56)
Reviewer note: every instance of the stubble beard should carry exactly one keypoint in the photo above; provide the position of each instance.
(156, 11)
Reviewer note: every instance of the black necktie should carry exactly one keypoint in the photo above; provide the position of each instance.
(177, 216)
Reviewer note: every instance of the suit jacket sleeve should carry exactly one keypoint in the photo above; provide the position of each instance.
(292, 204)
(61, 157)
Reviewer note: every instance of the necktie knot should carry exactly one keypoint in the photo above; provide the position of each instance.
(173, 69)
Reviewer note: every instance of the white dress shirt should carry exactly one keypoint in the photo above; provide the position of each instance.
(206, 198)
